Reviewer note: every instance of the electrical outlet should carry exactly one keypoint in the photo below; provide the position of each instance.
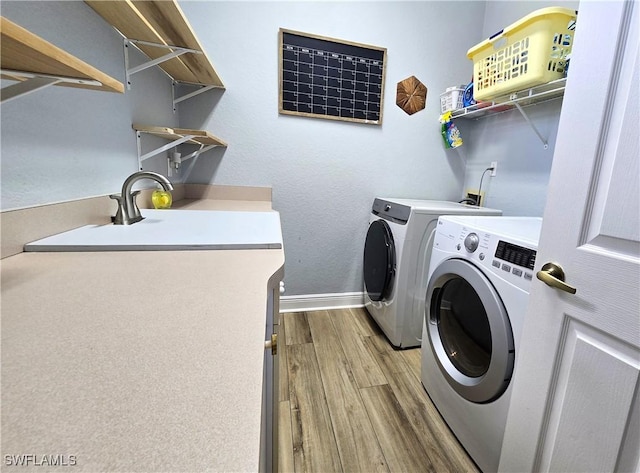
(494, 165)
(473, 194)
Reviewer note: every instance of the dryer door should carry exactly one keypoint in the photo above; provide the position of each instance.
(379, 260)
(469, 331)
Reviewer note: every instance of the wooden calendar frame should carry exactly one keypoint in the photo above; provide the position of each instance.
(329, 78)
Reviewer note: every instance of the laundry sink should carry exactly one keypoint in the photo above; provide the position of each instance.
(173, 230)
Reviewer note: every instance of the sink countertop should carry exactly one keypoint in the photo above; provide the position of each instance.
(173, 230)
(21, 226)
(135, 361)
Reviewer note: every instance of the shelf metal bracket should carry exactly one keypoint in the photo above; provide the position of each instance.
(199, 151)
(35, 82)
(542, 93)
(533, 127)
(175, 52)
(162, 149)
(195, 156)
(177, 100)
(173, 144)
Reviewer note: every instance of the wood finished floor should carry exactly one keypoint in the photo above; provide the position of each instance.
(350, 402)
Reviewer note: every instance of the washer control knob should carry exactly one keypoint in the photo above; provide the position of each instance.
(387, 207)
(471, 242)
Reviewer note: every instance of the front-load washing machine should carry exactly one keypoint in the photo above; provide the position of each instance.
(396, 260)
(480, 273)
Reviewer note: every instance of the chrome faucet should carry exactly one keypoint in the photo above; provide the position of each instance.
(128, 211)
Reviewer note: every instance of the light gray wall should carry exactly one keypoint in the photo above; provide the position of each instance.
(325, 174)
(62, 143)
(520, 184)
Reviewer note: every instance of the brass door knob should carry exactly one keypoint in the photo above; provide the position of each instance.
(552, 275)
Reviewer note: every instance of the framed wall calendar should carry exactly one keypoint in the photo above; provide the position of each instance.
(329, 78)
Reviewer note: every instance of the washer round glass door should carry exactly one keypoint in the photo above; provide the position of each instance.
(379, 260)
(469, 331)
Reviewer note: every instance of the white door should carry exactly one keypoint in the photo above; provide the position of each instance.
(575, 405)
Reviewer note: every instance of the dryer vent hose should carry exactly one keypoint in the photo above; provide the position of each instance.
(469, 201)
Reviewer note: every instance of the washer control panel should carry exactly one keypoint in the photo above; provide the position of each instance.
(391, 211)
(512, 259)
(518, 255)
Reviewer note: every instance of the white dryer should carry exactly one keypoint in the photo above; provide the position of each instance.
(480, 273)
(396, 261)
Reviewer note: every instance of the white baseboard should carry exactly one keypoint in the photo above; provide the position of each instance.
(321, 301)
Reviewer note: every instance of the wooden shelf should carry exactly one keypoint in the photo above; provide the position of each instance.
(27, 57)
(198, 137)
(158, 28)
(176, 137)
